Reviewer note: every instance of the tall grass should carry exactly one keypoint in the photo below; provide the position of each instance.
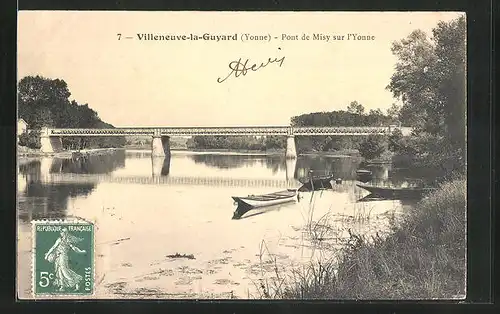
(423, 258)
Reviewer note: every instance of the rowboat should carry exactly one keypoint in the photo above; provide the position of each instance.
(364, 175)
(269, 199)
(363, 172)
(316, 183)
(396, 193)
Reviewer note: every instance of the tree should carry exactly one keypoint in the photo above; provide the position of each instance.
(450, 49)
(430, 81)
(372, 147)
(41, 99)
(354, 116)
(30, 139)
(355, 107)
(44, 102)
(393, 113)
(376, 118)
(274, 142)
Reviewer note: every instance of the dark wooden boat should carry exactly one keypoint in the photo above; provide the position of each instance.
(396, 193)
(316, 183)
(364, 175)
(275, 198)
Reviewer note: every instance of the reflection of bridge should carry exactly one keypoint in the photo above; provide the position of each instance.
(167, 180)
(206, 181)
(160, 167)
(51, 138)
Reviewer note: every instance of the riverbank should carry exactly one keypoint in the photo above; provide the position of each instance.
(96, 151)
(423, 258)
(25, 152)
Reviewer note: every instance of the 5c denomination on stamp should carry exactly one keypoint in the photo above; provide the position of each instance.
(63, 258)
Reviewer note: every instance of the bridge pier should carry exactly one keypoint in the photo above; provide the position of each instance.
(160, 146)
(160, 166)
(49, 144)
(291, 147)
(291, 167)
(45, 167)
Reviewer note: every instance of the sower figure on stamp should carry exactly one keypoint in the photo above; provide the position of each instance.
(58, 254)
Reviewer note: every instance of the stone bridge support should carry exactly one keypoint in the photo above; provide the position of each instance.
(291, 147)
(160, 166)
(291, 168)
(49, 144)
(160, 146)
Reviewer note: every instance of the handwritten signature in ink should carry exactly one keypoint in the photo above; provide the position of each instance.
(239, 68)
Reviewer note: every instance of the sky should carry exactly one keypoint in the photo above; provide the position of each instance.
(130, 82)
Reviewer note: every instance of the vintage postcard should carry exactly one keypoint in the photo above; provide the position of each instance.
(241, 155)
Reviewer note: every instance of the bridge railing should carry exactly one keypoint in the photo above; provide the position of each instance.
(274, 130)
(101, 132)
(340, 130)
(229, 131)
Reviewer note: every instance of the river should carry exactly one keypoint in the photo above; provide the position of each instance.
(147, 208)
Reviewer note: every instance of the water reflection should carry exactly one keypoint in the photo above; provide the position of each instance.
(41, 200)
(226, 161)
(39, 196)
(126, 208)
(94, 164)
(245, 212)
(344, 168)
(161, 166)
(375, 198)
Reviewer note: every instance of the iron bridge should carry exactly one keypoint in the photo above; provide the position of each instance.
(228, 131)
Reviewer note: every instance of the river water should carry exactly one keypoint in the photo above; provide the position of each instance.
(147, 208)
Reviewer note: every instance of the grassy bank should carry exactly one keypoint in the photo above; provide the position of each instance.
(422, 258)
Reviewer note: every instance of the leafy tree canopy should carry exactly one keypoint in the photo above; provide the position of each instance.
(44, 102)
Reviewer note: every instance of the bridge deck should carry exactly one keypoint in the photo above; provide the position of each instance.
(229, 131)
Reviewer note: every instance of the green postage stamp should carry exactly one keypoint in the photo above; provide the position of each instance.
(63, 258)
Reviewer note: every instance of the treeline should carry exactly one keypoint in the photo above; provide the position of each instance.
(44, 102)
(144, 142)
(237, 142)
(354, 116)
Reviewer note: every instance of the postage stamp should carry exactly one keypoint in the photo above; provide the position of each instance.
(63, 257)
